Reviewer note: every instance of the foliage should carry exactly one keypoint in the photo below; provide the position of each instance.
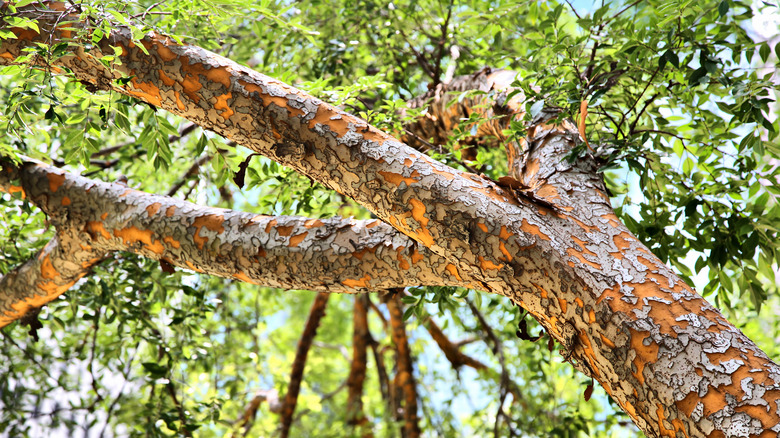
(679, 107)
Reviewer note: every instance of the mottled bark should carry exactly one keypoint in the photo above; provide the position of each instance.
(93, 218)
(550, 242)
(299, 363)
(404, 378)
(484, 96)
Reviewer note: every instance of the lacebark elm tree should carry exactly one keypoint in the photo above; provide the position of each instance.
(545, 236)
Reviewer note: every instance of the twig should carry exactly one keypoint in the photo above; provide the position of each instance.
(574, 10)
(193, 170)
(498, 350)
(440, 45)
(636, 2)
(179, 408)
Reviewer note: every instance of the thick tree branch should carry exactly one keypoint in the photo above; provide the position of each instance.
(553, 244)
(51, 272)
(93, 218)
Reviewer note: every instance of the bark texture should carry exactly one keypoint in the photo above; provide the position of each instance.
(547, 239)
(94, 218)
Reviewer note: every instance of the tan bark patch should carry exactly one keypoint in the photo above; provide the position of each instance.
(487, 264)
(172, 242)
(313, 223)
(272, 223)
(401, 261)
(133, 234)
(222, 104)
(47, 269)
(93, 228)
(645, 354)
(148, 91)
(243, 277)
(212, 222)
(453, 271)
(396, 179)
(284, 230)
(165, 78)
(362, 282)
(533, 230)
(268, 99)
(152, 209)
(418, 213)
(297, 239)
(55, 181)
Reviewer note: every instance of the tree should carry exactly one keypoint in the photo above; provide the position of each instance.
(544, 235)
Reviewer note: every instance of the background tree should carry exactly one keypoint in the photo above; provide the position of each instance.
(672, 103)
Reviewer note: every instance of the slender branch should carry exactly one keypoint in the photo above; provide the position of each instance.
(382, 376)
(450, 349)
(498, 350)
(192, 171)
(357, 372)
(247, 419)
(179, 408)
(671, 134)
(299, 363)
(405, 377)
(574, 11)
(638, 98)
(636, 2)
(441, 43)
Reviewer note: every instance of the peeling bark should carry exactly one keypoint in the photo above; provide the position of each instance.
(94, 218)
(551, 243)
(46, 276)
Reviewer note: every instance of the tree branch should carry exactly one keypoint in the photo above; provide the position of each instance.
(621, 314)
(405, 376)
(93, 218)
(357, 371)
(296, 374)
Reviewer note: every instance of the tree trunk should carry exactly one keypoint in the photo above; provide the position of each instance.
(546, 238)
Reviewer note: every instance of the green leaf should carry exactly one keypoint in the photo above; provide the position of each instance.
(23, 3)
(764, 50)
(76, 119)
(723, 8)
(696, 77)
(409, 312)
